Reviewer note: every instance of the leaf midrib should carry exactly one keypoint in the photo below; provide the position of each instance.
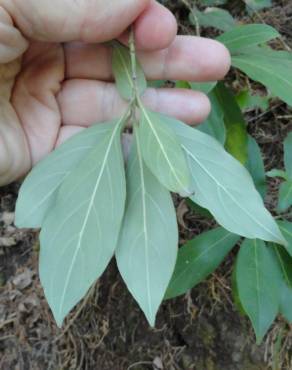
(225, 190)
(145, 231)
(244, 61)
(162, 149)
(91, 203)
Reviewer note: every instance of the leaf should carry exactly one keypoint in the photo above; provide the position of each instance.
(235, 294)
(162, 152)
(79, 236)
(204, 87)
(224, 186)
(214, 124)
(148, 244)
(157, 84)
(199, 258)
(247, 101)
(285, 196)
(286, 302)
(258, 4)
(213, 2)
(286, 229)
(122, 70)
(285, 266)
(288, 155)
(255, 166)
(258, 281)
(247, 35)
(269, 67)
(277, 173)
(38, 192)
(214, 17)
(236, 136)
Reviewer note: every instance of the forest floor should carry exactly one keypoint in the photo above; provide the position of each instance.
(201, 330)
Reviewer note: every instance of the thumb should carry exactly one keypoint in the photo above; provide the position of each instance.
(78, 20)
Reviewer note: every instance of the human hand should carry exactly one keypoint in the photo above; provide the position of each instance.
(64, 81)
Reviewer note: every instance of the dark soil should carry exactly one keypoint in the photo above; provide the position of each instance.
(201, 330)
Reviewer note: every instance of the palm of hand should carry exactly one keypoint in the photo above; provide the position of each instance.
(62, 88)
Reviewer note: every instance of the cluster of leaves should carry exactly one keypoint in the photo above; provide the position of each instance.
(212, 14)
(92, 206)
(262, 274)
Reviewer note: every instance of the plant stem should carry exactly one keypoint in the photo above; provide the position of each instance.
(135, 94)
(193, 12)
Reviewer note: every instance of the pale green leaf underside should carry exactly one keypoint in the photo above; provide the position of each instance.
(224, 187)
(79, 236)
(37, 193)
(162, 152)
(148, 244)
(122, 70)
(215, 17)
(277, 173)
(247, 35)
(258, 281)
(269, 67)
(199, 258)
(205, 87)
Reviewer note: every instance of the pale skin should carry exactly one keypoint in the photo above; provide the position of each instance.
(56, 78)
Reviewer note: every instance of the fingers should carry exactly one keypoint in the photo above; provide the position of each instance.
(84, 102)
(15, 158)
(92, 21)
(34, 97)
(65, 20)
(188, 58)
(12, 43)
(155, 28)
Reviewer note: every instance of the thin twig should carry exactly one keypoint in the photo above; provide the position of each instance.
(193, 12)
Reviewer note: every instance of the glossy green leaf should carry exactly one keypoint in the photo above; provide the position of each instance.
(286, 229)
(277, 173)
(255, 166)
(235, 294)
(122, 70)
(38, 192)
(288, 155)
(183, 84)
(80, 234)
(214, 17)
(198, 209)
(199, 258)
(148, 244)
(248, 101)
(269, 67)
(259, 282)
(247, 35)
(157, 84)
(224, 187)
(236, 133)
(285, 196)
(162, 152)
(285, 266)
(214, 124)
